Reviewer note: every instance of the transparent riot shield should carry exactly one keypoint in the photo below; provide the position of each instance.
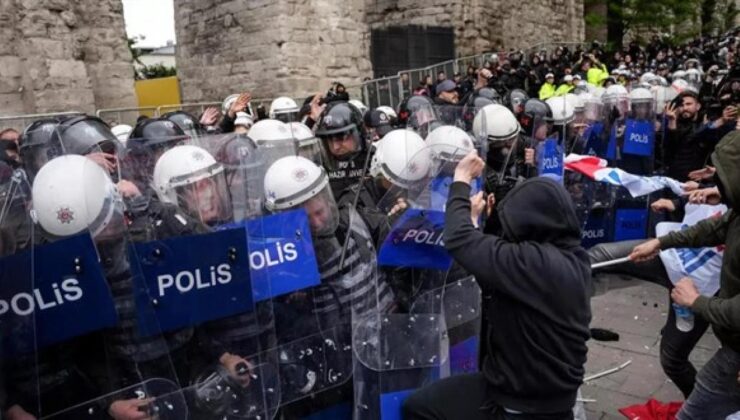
(128, 364)
(423, 117)
(20, 351)
(638, 147)
(401, 352)
(615, 111)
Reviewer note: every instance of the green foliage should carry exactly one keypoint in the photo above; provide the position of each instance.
(680, 19)
(156, 71)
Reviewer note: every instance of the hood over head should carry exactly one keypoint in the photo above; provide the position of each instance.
(540, 210)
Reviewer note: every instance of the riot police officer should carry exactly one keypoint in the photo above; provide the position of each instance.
(343, 135)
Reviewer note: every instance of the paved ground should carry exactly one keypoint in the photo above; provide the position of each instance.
(637, 313)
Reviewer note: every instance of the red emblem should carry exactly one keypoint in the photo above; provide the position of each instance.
(300, 174)
(65, 215)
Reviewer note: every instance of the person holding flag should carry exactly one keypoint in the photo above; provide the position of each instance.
(716, 393)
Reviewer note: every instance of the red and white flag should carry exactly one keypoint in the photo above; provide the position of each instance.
(596, 169)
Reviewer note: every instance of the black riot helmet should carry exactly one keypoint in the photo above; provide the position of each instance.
(418, 113)
(187, 122)
(473, 104)
(515, 100)
(153, 132)
(147, 142)
(490, 94)
(536, 114)
(340, 124)
(83, 134)
(35, 141)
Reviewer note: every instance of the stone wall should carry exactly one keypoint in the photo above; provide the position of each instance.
(294, 47)
(63, 55)
(271, 48)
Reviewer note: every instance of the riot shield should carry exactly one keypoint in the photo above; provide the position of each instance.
(20, 387)
(121, 361)
(437, 303)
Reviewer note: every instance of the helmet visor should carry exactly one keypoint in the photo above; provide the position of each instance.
(206, 199)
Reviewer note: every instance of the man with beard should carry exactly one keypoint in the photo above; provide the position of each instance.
(689, 141)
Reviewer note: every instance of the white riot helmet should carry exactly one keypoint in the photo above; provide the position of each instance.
(617, 96)
(274, 140)
(663, 95)
(648, 77)
(576, 101)
(284, 109)
(450, 143)
(243, 119)
(189, 177)
(359, 105)
(72, 194)
(226, 105)
(121, 131)
(678, 74)
(295, 181)
(680, 85)
(309, 145)
(563, 111)
(402, 158)
(642, 103)
(640, 95)
(496, 122)
(388, 111)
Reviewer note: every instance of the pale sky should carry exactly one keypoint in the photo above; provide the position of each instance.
(152, 18)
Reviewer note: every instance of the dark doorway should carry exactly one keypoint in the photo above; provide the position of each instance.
(406, 47)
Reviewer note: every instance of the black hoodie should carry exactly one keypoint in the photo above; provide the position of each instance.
(538, 278)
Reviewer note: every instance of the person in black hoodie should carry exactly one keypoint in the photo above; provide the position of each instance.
(538, 275)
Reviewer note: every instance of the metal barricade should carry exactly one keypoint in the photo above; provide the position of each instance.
(393, 89)
(20, 122)
(130, 115)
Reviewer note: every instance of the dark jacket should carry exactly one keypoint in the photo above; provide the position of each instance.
(689, 146)
(723, 311)
(538, 278)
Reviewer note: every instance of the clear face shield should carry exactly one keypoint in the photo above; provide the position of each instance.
(244, 169)
(286, 116)
(342, 145)
(204, 196)
(422, 120)
(141, 155)
(323, 213)
(643, 110)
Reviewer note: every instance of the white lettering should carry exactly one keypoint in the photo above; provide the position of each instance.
(290, 252)
(164, 281)
(190, 281)
(73, 289)
(14, 304)
(224, 273)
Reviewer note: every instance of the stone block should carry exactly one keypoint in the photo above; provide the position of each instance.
(67, 68)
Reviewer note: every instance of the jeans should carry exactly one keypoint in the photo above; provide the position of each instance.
(717, 392)
(675, 345)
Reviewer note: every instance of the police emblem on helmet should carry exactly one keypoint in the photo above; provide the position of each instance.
(412, 168)
(198, 156)
(328, 120)
(65, 215)
(383, 117)
(300, 174)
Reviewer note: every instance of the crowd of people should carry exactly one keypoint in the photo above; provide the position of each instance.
(448, 221)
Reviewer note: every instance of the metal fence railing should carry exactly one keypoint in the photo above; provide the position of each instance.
(19, 122)
(115, 116)
(393, 89)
